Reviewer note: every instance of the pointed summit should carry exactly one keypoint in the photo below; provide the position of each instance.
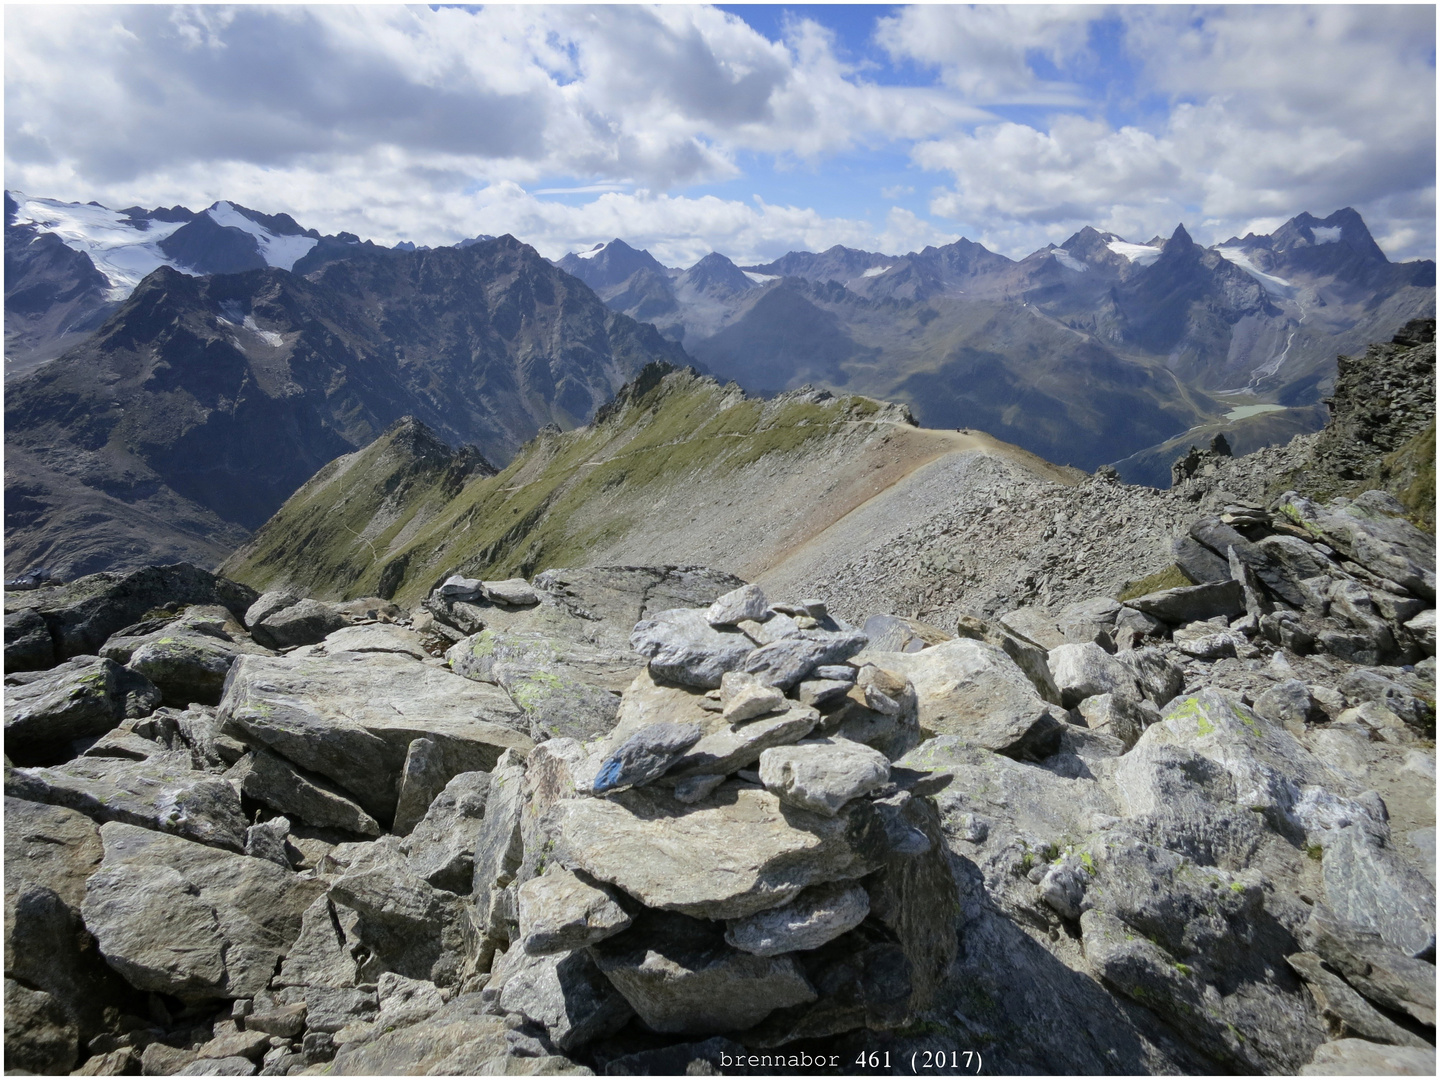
(1179, 241)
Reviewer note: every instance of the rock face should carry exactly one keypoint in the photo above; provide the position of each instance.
(47, 711)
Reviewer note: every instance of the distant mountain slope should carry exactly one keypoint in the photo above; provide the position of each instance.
(678, 469)
(1162, 335)
(212, 399)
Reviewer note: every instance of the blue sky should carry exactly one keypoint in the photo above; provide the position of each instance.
(750, 130)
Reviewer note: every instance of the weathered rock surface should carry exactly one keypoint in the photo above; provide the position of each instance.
(1191, 603)
(274, 782)
(822, 775)
(304, 622)
(185, 919)
(817, 915)
(441, 846)
(645, 755)
(352, 720)
(1085, 670)
(45, 711)
(746, 602)
(565, 993)
(683, 647)
(560, 911)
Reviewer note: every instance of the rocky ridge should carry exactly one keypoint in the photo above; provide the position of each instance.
(627, 820)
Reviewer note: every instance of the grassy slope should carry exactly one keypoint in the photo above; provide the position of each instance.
(563, 496)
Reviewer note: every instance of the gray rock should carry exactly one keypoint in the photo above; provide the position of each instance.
(269, 603)
(645, 755)
(82, 698)
(405, 1001)
(1089, 621)
(738, 605)
(1158, 677)
(564, 993)
(1204, 642)
(1360, 1057)
(83, 614)
(1380, 972)
(185, 919)
(1372, 531)
(746, 697)
(352, 720)
(559, 912)
(730, 855)
(304, 622)
(726, 747)
(375, 638)
(680, 977)
(516, 592)
(845, 673)
(462, 588)
(785, 662)
(774, 628)
(219, 1066)
(275, 783)
(163, 793)
(1117, 715)
(1345, 1012)
(973, 689)
(250, 1045)
(1422, 628)
(1223, 539)
(329, 1009)
(1198, 562)
(27, 642)
(1369, 886)
(1031, 657)
(1191, 603)
(498, 846)
(286, 1021)
(40, 1036)
(456, 1040)
(1085, 670)
(817, 915)
(818, 691)
(422, 778)
(266, 840)
(441, 846)
(185, 664)
(1289, 704)
(683, 1059)
(683, 647)
(823, 775)
(1400, 699)
(1144, 626)
(891, 633)
(567, 688)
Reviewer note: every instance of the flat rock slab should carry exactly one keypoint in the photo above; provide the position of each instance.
(559, 911)
(736, 852)
(816, 916)
(163, 792)
(726, 747)
(80, 699)
(182, 918)
(1192, 603)
(352, 720)
(274, 782)
(375, 638)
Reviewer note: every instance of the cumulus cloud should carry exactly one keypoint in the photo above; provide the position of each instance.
(433, 124)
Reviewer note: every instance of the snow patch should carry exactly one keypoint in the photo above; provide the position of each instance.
(281, 252)
(760, 279)
(1272, 284)
(596, 250)
(1326, 234)
(876, 271)
(1140, 254)
(1065, 259)
(124, 252)
(270, 337)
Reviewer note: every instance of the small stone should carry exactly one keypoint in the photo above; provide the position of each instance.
(514, 592)
(738, 605)
(645, 755)
(745, 697)
(819, 691)
(1289, 704)
(816, 916)
(835, 672)
(823, 775)
(286, 1021)
(694, 788)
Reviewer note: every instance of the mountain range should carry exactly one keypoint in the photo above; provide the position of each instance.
(174, 376)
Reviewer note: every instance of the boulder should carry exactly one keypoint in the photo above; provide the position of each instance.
(1289, 704)
(1159, 678)
(1031, 657)
(1089, 621)
(736, 852)
(304, 622)
(683, 647)
(817, 915)
(40, 1036)
(516, 592)
(441, 846)
(162, 792)
(1117, 715)
(83, 614)
(352, 720)
(27, 642)
(565, 993)
(46, 711)
(1369, 886)
(745, 697)
(190, 920)
(275, 783)
(1085, 670)
(680, 977)
(726, 747)
(422, 777)
(460, 1038)
(824, 774)
(785, 662)
(973, 689)
(1422, 629)
(1197, 562)
(1379, 971)
(567, 688)
(270, 602)
(1345, 1012)
(498, 845)
(270, 840)
(738, 605)
(1192, 603)
(893, 633)
(375, 638)
(560, 911)
(645, 755)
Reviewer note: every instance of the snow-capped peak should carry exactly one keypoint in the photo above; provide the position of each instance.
(282, 252)
(1140, 254)
(596, 250)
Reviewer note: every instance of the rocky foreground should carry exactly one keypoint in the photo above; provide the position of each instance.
(645, 820)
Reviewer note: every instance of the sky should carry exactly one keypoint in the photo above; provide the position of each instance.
(746, 129)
